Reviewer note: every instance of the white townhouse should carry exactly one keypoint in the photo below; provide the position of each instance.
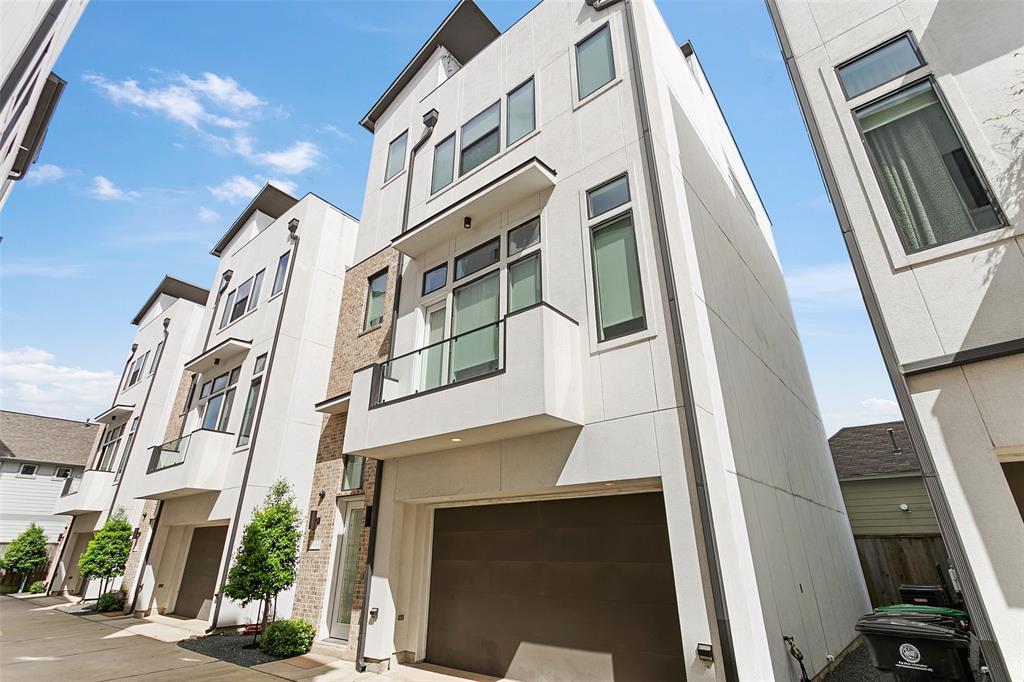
(914, 110)
(168, 327)
(246, 413)
(32, 35)
(599, 453)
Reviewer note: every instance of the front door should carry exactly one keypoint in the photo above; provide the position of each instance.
(346, 568)
(199, 579)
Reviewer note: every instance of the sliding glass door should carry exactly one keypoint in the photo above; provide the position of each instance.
(476, 335)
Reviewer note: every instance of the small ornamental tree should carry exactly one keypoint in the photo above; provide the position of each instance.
(26, 553)
(265, 562)
(107, 552)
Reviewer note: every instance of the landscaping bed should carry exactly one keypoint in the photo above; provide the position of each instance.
(230, 647)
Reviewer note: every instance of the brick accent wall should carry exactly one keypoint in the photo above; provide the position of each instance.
(353, 348)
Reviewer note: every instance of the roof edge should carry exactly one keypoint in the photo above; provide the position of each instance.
(178, 288)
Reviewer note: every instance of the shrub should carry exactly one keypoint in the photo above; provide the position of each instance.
(38, 587)
(106, 554)
(110, 601)
(286, 638)
(25, 554)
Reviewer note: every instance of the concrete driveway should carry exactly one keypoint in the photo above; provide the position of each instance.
(38, 642)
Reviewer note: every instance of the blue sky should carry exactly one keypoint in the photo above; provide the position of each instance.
(175, 112)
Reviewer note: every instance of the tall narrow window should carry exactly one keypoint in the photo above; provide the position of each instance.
(281, 274)
(475, 350)
(879, 66)
(524, 282)
(618, 294)
(245, 429)
(257, 284)
(934, 192)
(156, 357)
(128, 444)
(241, 303)
(219, 395)
(444, 164)
(352, 478)
(135, 373)
(522, 118)
(595, 65)
(396, 156)
(229, 305)
(481, 138)
(376, 292)
(108, 448)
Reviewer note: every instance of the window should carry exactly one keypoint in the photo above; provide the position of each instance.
(435, 278)
(376, 292)
(245, 430)
(28, 470)
(261, 362)
(618, 295)
(352, 478)
(62, 472)
(481, 138)
(282, 270)
(396, 156)
(595, 65)
(108, 448)
(521, 112)
(477, 259)
(524, 282)
(129, 442)
(934, 192)
(879, 66)
(229, 305)
(135, 373)
(257, 284)
(156, 358)
(220, 395)
(444, 164)
(475, 310)
(524, 236)
(607, 196)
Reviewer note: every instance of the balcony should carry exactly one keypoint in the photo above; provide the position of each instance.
(192, 464)
(88, 493)
(516, 377)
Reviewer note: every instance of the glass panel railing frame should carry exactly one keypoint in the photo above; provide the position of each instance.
(71, 486)
(171, 453)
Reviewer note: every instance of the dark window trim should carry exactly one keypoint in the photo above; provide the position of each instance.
(576, 59)
(478, 247)
(433, 164)
(508, 238)
(876, 171)
(423, 289)
(593, 277)
(462, 136)
(387, 157)
(846, 62)
(537, 253)
(274, 290)
(508, 130)
(367, 326)
(629, 194)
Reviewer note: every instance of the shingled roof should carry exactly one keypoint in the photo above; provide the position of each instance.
(868, 450)
(46, 439)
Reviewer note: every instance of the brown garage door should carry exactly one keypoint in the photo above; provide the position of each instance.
(572, 589)
(199, 580)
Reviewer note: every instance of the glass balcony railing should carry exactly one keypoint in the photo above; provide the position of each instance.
(169, 454)
(71, 485)
(473, 354)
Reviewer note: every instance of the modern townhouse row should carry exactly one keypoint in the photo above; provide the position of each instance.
(544, 407)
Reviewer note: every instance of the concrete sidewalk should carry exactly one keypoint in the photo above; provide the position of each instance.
(39, 642)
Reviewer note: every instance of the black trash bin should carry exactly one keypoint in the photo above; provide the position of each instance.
(912, 650)
(926, 595)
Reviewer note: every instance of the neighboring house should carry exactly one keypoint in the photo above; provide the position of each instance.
(914, 111)
(168, 326)
(567, 352)
(32, 35)
(245, 417)
(893, 523)
(39, 458)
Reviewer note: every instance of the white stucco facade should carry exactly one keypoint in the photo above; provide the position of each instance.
(567, 414)
(952, 314)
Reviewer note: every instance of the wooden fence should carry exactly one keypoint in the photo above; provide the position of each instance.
(891, 561)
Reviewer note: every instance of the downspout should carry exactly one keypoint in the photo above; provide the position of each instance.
(145, 558)
(429, 121)
(691, 445)
(293, 227)
(980, 621)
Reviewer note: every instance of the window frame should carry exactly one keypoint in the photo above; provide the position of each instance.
(281, 276)
(462, 137)
(624, 175)
(229, 387)
(579, 96)
(157, 352)
(508, 237)
(508, 116)
(33, 474)
(526, 254)
(479, 247)
(433, 165)
(404, 135)
(109, 443)
(591, 228)
(56, 472)
(349, 461)
(846, 62)
(368, 323)
(439, 266)
(893, 88)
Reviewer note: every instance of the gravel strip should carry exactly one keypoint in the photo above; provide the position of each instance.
(856, 667)
(237, 649)
(79, 609)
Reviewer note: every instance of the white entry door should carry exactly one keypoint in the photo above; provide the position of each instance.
(346, 567)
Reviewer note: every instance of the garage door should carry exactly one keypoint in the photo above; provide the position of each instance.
(577, 589)
(199, 579)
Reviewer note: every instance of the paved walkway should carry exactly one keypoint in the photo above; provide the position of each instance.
(38, 642)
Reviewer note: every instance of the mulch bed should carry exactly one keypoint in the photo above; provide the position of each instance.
(237, 649)
(79, 609)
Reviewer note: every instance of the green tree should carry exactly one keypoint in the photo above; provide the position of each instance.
(107, 552)
(265, 562)
(26, 553)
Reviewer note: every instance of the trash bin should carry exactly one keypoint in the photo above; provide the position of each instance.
(929, 595)
(913, 651)
(947, 615)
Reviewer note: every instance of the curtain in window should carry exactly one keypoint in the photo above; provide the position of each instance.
(904, 134)
(476, 305)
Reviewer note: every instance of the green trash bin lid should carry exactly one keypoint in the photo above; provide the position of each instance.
(898, 609)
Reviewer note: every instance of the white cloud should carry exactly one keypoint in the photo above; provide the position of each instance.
(207, 215)
(31, 380)
(104, 189)
(225, 91)
(829, 285)
(239, 188)
(44, 173)
(335, 130)
(295, 159)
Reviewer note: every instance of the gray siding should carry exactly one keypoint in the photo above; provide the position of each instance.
(874, 506)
